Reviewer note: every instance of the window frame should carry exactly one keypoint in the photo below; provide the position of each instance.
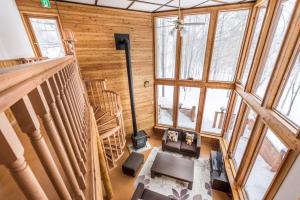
(204, 83)
(255, 155)
(197, 114)
(28, 26)
(226, 114)
(239, 133)
(284, 81)
(155, 51)
(264, 110)
(242, 44)
(156, 105)
(266, 50)
(236, 125)
(206, 58)
(240, 75)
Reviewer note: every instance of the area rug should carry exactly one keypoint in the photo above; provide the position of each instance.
(145, 148)
(174, 188)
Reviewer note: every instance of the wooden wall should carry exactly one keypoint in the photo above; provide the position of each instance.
(94, 30)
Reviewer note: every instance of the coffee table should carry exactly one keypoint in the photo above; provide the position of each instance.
(174, 167)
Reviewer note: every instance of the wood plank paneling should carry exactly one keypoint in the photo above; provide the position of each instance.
(94, 29)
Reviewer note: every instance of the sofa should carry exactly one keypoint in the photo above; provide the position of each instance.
(181, 146)
(142, 193)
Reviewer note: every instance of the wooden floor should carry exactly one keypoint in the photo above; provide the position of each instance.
(123, 185)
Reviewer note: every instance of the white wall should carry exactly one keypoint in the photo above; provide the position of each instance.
(290, 189)
(14, 42)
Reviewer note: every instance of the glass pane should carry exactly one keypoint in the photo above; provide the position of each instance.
(188, 107)
(247, 127)
(253, 45)
(227, 46)
(267, 163)
(48, 37)
(233, 117)
(289, 103)
(194, 46)
(215, 110)
(166, 35)
(165, 104)
(285, 13)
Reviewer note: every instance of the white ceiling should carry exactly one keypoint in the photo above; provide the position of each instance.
(155, 5)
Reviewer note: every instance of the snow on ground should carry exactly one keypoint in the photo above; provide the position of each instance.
(215, 100)
(259, 180)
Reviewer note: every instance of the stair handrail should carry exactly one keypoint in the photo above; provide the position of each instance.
(51, 90)
(18, 81)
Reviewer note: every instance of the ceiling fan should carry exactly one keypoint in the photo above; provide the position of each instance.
(179, 24)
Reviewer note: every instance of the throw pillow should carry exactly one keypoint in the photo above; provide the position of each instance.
(189, 138)
(173, 136)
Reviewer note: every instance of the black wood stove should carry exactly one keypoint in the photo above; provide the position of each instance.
(139, 138)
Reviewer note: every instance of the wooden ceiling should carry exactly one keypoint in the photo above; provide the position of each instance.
(155, 5)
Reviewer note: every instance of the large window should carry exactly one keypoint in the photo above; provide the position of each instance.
(233, 117)
(227, 46)
(267, 163)
(166, 36)
(188, 107)
(289, 102)
(215, 110)
(245, 133)
(193, 46)
(253, 45)
(165, 104)
(47, 36)
(285, 12)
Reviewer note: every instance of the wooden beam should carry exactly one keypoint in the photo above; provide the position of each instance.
(188, 83)
(163, 5)
(285, 131)
(238, 6)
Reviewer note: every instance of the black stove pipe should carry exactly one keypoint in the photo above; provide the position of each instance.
(130, 84)
(123, 42)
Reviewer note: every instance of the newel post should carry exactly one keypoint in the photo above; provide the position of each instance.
(29, 124)
(12, 156)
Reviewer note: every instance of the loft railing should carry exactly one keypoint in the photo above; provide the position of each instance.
(47, 99)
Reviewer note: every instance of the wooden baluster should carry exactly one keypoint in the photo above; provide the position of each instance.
(121, 117)
(79, 152)
(116, 110)
(107, 101)
(67, 102)
(49, 96)
(78, 94)
(75, 89)
(75, 96)
(92, 93)
(41, 108)
(100, 95)
(29, 124)
(72, 108)
(68, 107)
(78, 82)
(100, 98)
(12, 156)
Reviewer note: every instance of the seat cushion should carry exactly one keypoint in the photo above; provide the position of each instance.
(150, 195)
(177, 130)
(175, 146)
(191, 149)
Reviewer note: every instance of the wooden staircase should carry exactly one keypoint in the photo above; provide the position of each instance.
(108, 113)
